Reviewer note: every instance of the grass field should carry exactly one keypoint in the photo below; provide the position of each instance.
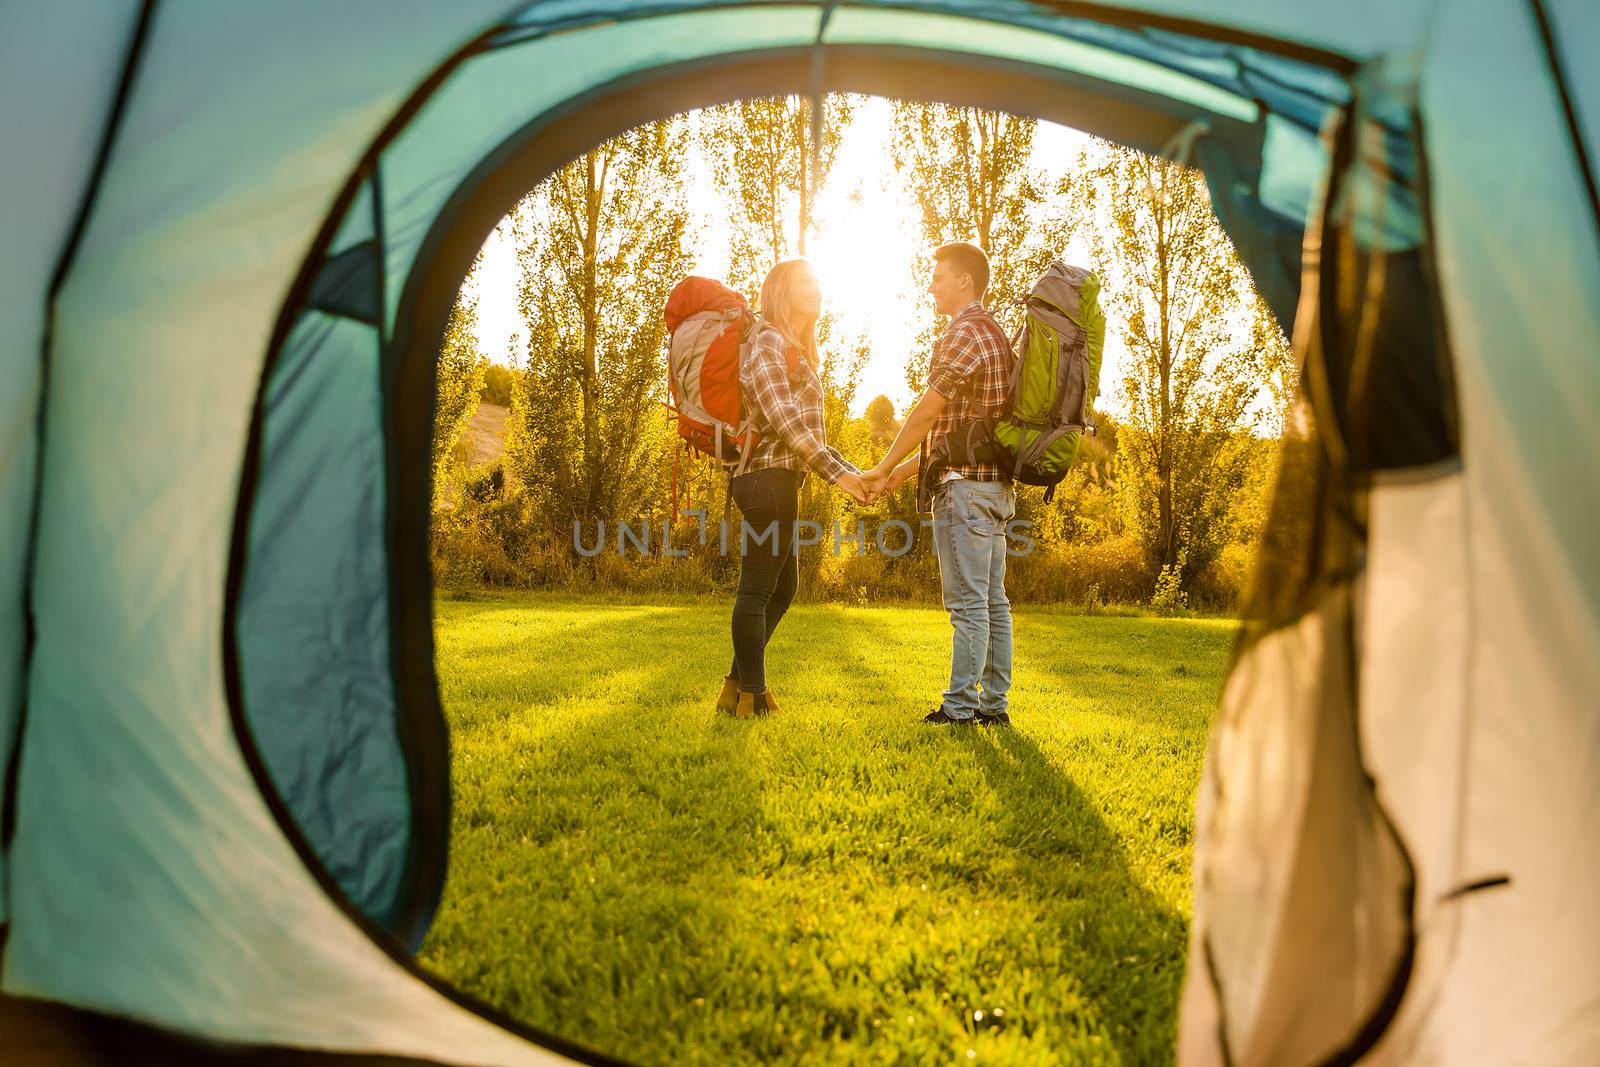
(837, 884)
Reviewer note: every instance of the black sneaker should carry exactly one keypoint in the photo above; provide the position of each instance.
(1001, 719)
(938, 718)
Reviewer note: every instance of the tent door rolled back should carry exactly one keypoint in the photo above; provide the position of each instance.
(227, 790)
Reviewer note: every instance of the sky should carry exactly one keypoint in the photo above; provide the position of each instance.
(866, 239)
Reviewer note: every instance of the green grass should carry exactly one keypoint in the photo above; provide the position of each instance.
(837, 884)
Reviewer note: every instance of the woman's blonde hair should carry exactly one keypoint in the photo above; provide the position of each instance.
(777, 307)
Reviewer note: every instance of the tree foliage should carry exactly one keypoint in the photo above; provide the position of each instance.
(1199, 352)
(460, 379)
(600, 244)
(971, 175)
(765, 161)
(497, 381)
(1167, 499)
(770, 167)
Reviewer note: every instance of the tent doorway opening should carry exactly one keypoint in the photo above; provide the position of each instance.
(602, 812)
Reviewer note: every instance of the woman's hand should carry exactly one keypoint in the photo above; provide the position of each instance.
(857, 488)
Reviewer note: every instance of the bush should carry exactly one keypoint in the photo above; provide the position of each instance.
(1221, 585)
(496, 385)
(857, 579)
(1111, 571)
(497, 538)
(486, 483)
(477, 545)
(1169, 596)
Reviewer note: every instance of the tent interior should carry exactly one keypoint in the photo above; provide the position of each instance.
(227, 797)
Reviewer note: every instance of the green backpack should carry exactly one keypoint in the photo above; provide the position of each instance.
(1054, 380)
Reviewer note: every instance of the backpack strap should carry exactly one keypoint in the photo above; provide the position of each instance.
(988, 323)
(927, 469)
(1016, 354)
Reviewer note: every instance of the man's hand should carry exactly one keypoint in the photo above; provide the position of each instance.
(900, 475)
(875, 482)
(886, 479)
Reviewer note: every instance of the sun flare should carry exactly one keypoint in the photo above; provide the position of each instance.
(866, 246)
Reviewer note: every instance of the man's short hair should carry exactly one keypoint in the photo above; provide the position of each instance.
(966, 258)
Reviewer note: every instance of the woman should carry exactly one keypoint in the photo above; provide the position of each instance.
(785, 406)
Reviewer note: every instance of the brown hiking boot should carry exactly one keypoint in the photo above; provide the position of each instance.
(753, 704)
(728, 699)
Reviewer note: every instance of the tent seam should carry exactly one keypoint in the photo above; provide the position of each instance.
(132, 63)
(1580, 147)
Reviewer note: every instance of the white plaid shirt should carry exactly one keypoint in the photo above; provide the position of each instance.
(786, 410)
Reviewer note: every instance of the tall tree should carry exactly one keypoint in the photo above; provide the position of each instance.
(1199, 354)
(771, 168)
(462, 366)
(600, 244)
(771, 165)
(881, 423)
(970, 172)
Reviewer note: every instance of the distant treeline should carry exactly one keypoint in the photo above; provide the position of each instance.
(1165, 504)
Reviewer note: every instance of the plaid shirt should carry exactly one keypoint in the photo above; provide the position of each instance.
(787, 411)
(970, 368)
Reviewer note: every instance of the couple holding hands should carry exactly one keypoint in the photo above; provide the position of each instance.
(971, 501)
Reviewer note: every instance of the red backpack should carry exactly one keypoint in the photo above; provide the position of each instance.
(708, 324)
(710, 327)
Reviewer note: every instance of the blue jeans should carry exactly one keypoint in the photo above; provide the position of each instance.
(969, 535)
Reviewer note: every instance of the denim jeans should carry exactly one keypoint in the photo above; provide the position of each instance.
(969, 535)
(769, 503)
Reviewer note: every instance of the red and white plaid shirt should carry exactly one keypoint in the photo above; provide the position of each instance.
(787, 411)
(970, 367)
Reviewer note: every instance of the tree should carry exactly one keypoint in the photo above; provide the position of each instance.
(770, 167)
(600, 244)
(770, 170)
(497, 385)
(764, 158)
(460, 380)
(881, 423)
(1199, 353)
(969, 171)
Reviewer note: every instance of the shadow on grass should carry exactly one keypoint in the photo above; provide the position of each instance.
(636, 874)
(596, 841)
(1122, 947)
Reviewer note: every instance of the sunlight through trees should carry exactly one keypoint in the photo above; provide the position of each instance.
(1166, 500)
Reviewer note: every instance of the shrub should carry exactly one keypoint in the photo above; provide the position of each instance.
(496, 385)
(485, 483)
(1221, 585)
(498, 537)
(1169, 596)
(1109, 571)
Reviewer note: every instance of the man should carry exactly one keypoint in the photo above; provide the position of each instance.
(972, 499)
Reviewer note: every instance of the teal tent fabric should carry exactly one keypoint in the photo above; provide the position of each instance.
(71, 55)
(314, 607)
